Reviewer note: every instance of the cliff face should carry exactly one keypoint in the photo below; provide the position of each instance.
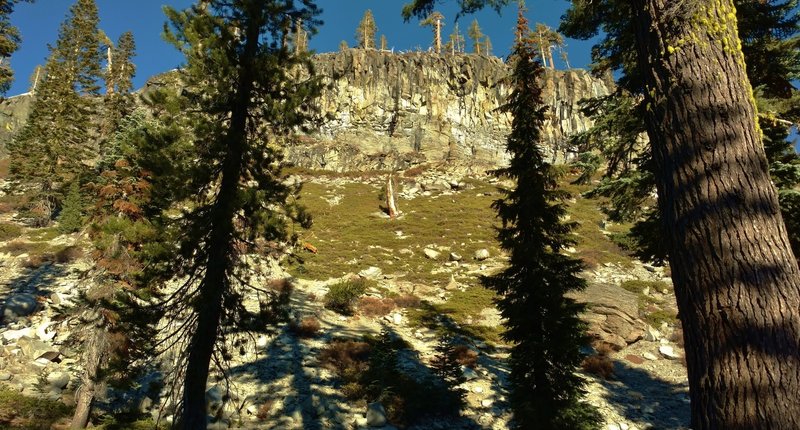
(13, 114)
(391, 111)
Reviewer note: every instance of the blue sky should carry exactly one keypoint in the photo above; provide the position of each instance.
(39, 22)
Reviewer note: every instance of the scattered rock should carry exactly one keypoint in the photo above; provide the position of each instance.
(650, 356)
(481, 254)
(376, 415)
(487, 403)
(5, 376)
(14, 335)
(34, 348)
(371, 273)
(431, 254)
(455, 257)
(668, 352)
(469, 374)
(651, 334)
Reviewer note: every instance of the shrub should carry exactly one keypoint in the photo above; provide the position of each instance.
(677, 337)
(36, 261)
(281, 285)
(263, 410)
(599, 364)
(638, 286)
(307, 327)
(68, 254)
(407, 301)
(347, 358)
(342, 296)
(375, 307)
(9, 231)
(465, 356)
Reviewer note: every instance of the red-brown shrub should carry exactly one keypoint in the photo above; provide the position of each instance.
(307, 327)
(407, 301)
(375, 307)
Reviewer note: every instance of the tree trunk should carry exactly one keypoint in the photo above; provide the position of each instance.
(736, 280)
(391, 206)
(438, 36)
(96, 349)
(220, 246)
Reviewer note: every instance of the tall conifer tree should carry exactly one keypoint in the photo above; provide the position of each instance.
(542, 324)
(366, 31)
(245, 93)
(9, 42)
(48, 154)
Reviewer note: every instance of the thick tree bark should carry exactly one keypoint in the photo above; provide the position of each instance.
(736, 280)
(96, 349)
(220, 246)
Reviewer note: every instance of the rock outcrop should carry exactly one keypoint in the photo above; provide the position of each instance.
(384, 111)
(612, 315)
(393, 111)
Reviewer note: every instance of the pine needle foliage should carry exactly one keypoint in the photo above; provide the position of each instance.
(9, 42)
(50, 150)
(244, 94)
(70, 219)
(770, 36)
(445, 365)
(366, 31)
(543, 324)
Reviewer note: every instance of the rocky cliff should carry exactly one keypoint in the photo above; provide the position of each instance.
(389, 111)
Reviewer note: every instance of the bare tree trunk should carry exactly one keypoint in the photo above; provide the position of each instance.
(96, 349)
(109, 76)
(736, 280)
(438, 36)
(391, 205)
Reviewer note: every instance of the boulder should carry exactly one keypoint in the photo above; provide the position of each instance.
(431, 254)
(376, 415)
(455, 257)
(35, 348)
(612, 314)
(20, 305)
(481, 254)
(668, 352)
(58, 380)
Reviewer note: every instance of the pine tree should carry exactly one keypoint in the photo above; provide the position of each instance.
(543, 325)
(70, 219)
(487, 45)
(365, 33)
(80, 44)
(445, 365)
(769, 35)
(545, 39)
(242, 101)
(476, 35)
(455, 43)
(118, 100)
(49, 151)
(434, 20)
(9, 43)
(384, 43)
